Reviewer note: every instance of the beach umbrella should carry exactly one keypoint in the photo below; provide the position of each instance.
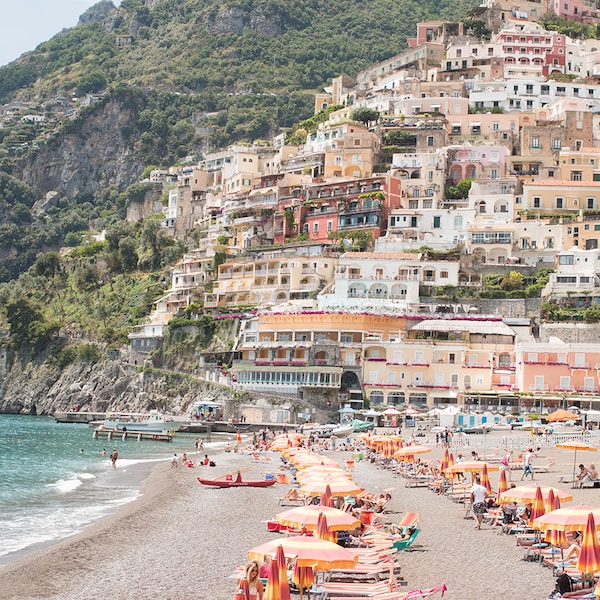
(576, 445)
(278, 587)
(450, 459)
(572, 518)
(337, 520)
(561, 415)
(537, 507)
(308, 551)
(589, 557)
(326, 470)
(243, 590)
(326, 499)
(238, 437)
(550, 501)
(485, 479)
(471, 466)
(409, 451)
(555, 537)
(323, 532)
(556, 503)
(337, 486)
(526, 493)
(303, 577)
(502, 483)
(444, 463)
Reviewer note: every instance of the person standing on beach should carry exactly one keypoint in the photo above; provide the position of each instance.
(197, 445)
(174, 461)
(478, 493)
(113, 458)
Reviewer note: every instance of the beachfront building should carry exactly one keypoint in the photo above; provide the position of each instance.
(551, 372)
(382, 280)
(290, 353)
(439, 360)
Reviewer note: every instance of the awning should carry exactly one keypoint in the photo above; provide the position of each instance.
(262, 191)
(484, 327)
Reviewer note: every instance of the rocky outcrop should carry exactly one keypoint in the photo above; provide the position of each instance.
(90, 154)
(234, 19)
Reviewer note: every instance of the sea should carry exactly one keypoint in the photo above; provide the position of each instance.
(55, 479)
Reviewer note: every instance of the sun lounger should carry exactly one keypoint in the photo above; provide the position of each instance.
(417, 480)
(292, 498)
(407, 543)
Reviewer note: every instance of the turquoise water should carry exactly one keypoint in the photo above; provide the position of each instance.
(54, 479)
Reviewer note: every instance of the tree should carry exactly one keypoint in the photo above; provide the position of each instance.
(47, 265)
(460, 191)
(513, 281)
(129, 255)
(364, 115)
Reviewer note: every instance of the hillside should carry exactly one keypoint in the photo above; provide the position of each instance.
(240, 69)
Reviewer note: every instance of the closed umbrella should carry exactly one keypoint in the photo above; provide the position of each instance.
(537, 508)
(238, 437)
(278, 587)
(303, 577)
(589, 557)
(243, 590)
(502, 483)
(485, 479)
(323, 532)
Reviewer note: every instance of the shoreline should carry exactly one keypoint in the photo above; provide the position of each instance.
(179, 540)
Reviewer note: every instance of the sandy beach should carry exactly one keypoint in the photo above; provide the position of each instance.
(181, 540)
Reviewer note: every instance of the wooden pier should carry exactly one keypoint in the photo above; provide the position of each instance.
(165, 436)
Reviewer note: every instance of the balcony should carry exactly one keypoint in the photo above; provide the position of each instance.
(579, 365)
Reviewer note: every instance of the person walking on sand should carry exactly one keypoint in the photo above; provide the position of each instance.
(478, 493)
(113, 458)
(528, 464)
(174, 461)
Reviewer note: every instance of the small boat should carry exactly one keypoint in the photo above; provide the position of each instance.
(151, 422)
(337, 430)
(237, 482)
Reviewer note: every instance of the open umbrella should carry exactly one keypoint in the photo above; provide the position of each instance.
(561, 415)
(471, 466)
(303, 577)
(278, 587)
(408, 451)
(576, 445)
(527, 493)
(338, 487)
(337, 520)
(589, 557)
(572, 518)
(308, 551)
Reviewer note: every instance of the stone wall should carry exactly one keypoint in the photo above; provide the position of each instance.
(570, 333)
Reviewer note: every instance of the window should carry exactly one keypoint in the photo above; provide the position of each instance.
(566, 259)
(537, 202)
(557, 144)
(560, 203)
(437, 222)
(329, 226)
(535, 142)
(576, 175)
(315, 228)
(430, 140)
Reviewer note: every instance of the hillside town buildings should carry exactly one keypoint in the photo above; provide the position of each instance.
(348, 260)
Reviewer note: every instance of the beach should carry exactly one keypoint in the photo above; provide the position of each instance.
(183, 540)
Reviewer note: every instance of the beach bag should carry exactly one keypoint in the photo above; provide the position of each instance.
(563, 583)
(505, 461)
(212, 463)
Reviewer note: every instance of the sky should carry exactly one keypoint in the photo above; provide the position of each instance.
(27, 23)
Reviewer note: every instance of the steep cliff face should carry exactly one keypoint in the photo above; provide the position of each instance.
(30, 388)
(92, 153)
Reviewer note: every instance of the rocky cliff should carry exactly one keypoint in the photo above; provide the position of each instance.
(91, 153)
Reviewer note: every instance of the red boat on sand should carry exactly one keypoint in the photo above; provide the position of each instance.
(229, 482)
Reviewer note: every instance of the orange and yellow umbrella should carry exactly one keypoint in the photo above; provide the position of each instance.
(303, 577)
(576, 445)
(338, 486)
(337, 520)
(526, 493)
(537, 508)
(308, 551)
(471, 466)
(322, 531)
(485, 479)
(589, 557)
(407, 452)
(573, 518)
(502, 483)
(278, 586)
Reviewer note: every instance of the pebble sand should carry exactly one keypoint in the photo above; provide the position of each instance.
(181, 540)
